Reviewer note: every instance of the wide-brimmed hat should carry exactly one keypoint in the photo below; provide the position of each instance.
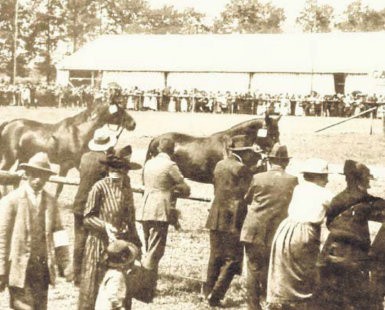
(102, 140)
(315, 165)
(38, 162)
(126, 153)
(120, 159)
(356, 169)
(279, 151)
(121, 253)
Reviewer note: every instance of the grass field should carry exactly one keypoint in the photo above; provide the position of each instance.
(187, 251)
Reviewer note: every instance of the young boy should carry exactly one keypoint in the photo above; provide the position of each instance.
(113, 290)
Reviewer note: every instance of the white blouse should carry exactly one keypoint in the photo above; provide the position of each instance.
(309, 202)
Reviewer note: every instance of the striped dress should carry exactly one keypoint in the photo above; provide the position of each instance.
(110, 201)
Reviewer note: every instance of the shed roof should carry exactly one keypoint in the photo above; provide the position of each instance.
(321, 53)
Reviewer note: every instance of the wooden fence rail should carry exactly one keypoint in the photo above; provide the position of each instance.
(7, 178)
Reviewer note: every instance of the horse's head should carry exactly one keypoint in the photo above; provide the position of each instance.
(268, 134)
(113, 114)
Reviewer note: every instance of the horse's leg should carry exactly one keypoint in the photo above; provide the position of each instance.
(63, 170)
(6, 164)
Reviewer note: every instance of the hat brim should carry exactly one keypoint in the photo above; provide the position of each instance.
(102, 147)
(134, 166)
(26, 166)
(316, 172)
(278, 157)
(134, 254)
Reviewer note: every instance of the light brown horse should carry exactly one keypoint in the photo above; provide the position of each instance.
(64, 142)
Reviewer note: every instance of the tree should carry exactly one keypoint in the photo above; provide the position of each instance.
(7, 31)
(315, 18)
(249, 16)
(47, 29)
(124, 16)
(82, 20)
(169, 20)
(361, 18)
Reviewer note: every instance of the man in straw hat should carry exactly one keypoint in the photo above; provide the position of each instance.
(344, 260)
(163, 182)
(268, 197)
(91, 171)
(32, 238)
(113, 292)
(295, 247)
(227, 212)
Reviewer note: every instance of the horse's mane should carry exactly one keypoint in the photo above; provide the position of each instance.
(240, 128)
(80, 117)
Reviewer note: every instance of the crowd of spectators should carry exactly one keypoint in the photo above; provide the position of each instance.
(173, 100)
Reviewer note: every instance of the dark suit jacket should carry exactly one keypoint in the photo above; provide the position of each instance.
(228, 210)
(91, 171)
(269, 193)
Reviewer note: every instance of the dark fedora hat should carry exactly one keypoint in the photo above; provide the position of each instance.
(120, 159)
(121, 253)
(355, 169)
(279, 151)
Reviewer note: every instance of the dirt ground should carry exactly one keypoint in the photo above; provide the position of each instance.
(187, 250)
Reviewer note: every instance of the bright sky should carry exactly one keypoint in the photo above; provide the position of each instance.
(212, 8)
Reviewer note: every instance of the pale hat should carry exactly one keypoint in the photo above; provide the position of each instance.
(315, 165)
(121, 253)
(102, 140)
(38, 162)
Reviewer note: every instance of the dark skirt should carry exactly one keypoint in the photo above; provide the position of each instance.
(292, 269)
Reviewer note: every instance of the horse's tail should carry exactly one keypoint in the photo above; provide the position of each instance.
(2, 126)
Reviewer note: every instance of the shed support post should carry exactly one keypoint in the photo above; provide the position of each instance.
(250, 79)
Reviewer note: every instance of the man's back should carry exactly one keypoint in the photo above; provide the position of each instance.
(270, 193)
(231, 180)
(161, 176)
(91, 170)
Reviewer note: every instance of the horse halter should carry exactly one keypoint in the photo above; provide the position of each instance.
(112, 109)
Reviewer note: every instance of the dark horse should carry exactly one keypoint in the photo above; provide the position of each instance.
(64, 142)
(196, 157)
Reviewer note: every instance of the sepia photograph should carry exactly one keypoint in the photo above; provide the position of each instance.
(192, 154)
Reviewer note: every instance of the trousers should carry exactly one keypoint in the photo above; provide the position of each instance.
(155, 238)
(257, 265)
(34, 294)
(226, 254)
(79, 244)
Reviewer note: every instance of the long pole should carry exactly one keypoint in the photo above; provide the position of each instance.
(16, 30)
(347, 119)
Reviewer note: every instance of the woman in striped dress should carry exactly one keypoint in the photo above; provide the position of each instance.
(109, 215)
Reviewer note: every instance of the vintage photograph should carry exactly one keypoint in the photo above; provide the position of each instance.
(192, 154)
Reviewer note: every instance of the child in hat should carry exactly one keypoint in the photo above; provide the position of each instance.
(113, 289)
